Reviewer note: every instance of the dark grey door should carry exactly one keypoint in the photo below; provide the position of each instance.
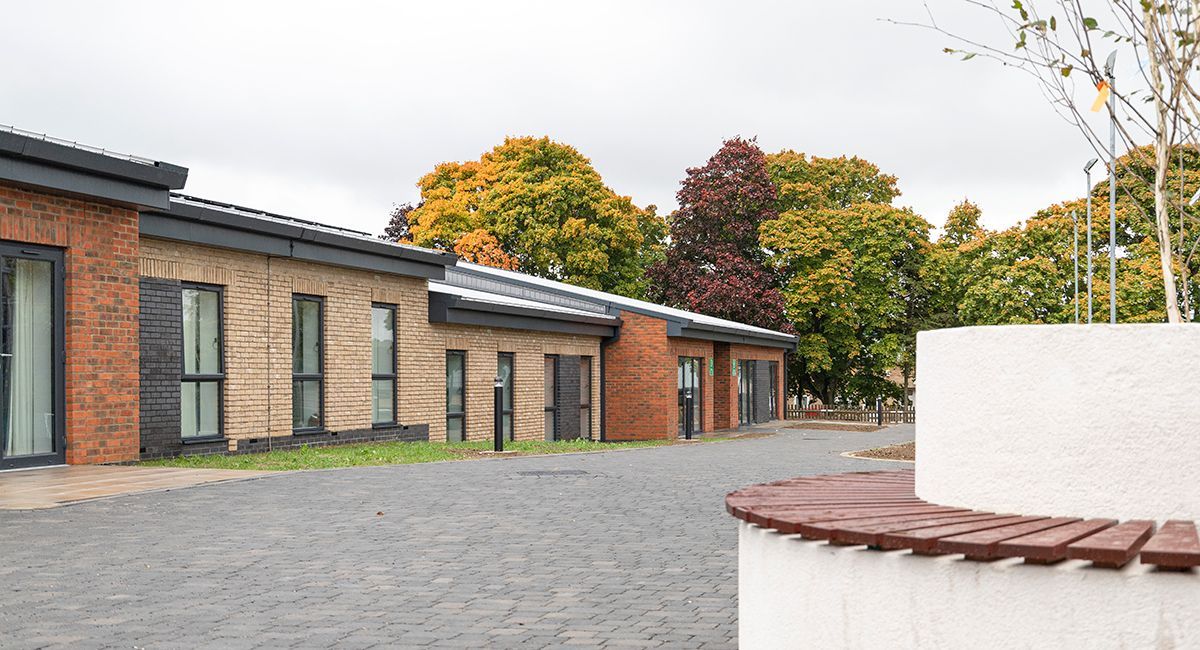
(32, 430)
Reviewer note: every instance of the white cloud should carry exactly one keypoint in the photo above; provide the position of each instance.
(332, 111)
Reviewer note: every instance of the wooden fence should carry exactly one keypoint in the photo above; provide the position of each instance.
(886, 415)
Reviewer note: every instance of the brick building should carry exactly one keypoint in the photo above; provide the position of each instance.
(136, 322)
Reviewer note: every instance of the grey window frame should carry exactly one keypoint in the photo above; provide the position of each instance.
(551, 409)
(219, 377)
(512, 384)
(459, 415)
(318, 376)
(385, 376)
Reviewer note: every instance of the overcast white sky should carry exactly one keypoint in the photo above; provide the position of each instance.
(333, 111)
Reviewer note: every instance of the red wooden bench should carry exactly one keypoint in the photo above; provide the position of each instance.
(881, 510)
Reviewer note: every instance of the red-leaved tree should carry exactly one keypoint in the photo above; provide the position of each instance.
(714, 263)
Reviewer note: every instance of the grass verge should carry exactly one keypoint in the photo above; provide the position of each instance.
(388, 453)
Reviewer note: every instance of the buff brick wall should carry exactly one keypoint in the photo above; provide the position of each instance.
(101, 314)
(258, 334)
(529, 349)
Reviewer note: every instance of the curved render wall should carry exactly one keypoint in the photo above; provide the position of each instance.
(794, 593)
(1061, 420)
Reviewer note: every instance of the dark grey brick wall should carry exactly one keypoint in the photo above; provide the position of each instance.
(568, 397)
(159, 343)
(762, 391)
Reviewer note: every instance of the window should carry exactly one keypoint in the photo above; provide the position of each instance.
(550, 393)
(504, 368)
(585, 397)
(383, 365)
(203, 365)
(308, 364)
(456, 395)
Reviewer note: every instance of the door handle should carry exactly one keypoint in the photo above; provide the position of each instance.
(5, 356)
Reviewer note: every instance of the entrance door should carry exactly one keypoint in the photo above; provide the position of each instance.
(745, 392)
(31, 344)
(688, 374)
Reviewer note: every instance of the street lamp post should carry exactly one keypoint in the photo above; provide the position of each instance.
(1087, 172)
(1112, 189)
(1075, 258)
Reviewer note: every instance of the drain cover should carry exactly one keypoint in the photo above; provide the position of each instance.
(552, 472)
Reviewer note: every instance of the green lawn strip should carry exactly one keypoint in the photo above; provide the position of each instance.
(386, 453)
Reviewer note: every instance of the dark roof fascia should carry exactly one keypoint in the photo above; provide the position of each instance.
(222, 229)
(78, 172)
(724, 335)
(676, 326)
(445, 308)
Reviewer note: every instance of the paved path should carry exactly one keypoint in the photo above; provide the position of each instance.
(631, 548)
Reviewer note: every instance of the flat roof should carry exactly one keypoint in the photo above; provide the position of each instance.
(685, 323)
(224, 225)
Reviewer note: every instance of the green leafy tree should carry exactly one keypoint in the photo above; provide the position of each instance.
(541, 206)
(851, 274)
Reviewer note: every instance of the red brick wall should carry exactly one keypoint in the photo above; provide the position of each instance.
(693, 348)
(639, 381)
(101, 254)
(725, 381)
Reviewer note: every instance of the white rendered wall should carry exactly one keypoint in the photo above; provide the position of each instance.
(1064, 420)
(794, 593)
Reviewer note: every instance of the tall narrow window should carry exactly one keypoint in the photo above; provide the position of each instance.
(456, 395)
(308, 364)
(773, 382)
(203, 365)
(383, 365)
(585, 397)
(550, 393)
(504, 368)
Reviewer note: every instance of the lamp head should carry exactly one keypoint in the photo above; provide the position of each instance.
(1195, 197)
(1109, 63)
(1088, 167)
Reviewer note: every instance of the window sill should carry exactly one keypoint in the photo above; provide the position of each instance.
(203, 439)
(310, 432)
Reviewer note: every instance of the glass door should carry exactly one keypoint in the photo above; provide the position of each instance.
(745, 392)
(31, 341)
(688, 375)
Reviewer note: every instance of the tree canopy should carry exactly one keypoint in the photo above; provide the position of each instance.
(539, 206)
(850, 263)
(714, 263)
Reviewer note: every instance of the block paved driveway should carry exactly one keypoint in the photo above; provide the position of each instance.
(632, 549)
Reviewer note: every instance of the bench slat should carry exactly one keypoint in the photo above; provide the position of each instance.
(826, 529)
(1175, 546)
(981, 545)
(862, 532)
(763, 516)
(1112, 547)
(1049, 546)
(791, 524)
(924, 540)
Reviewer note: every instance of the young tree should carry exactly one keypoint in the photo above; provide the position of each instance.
(714, 263)
(1055, 43)
(544, 208)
